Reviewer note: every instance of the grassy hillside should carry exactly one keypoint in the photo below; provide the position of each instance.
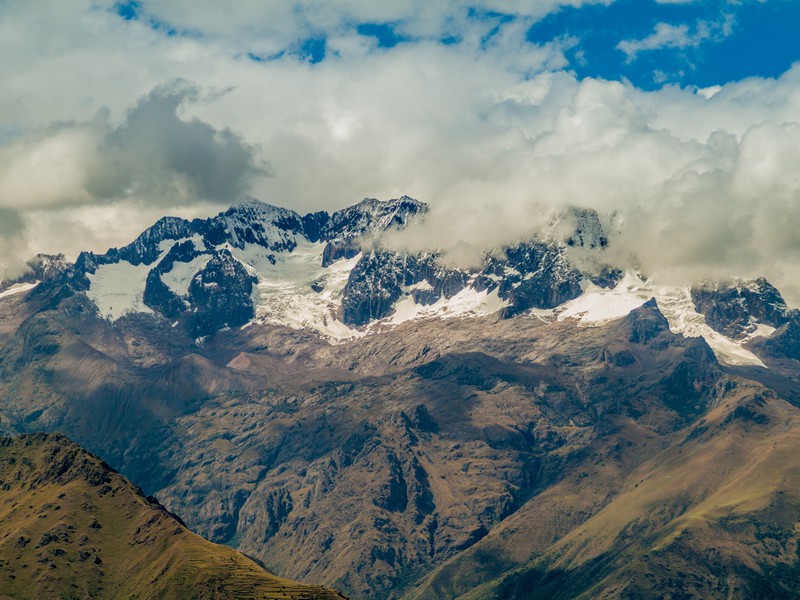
(70, 527)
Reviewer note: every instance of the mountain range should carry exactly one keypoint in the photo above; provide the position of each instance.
(379, 421)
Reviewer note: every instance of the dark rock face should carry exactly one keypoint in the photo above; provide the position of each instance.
(221, 295)
(157, 295)
(735, 309)
(314, 225)
(373, 287)
(42, 267)
(377, 282)
(695, 369)
(584, 229)
(253, 222)
(368, 218)
(531, 275)
(607, 277)
(145, 249)
(337, 249)
(784, 342)
(646, 323)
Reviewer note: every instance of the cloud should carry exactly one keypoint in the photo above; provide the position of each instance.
(494, 132)
(666, 36)
(153, 155)
(724, 203)
(154, 151)
(269, 27)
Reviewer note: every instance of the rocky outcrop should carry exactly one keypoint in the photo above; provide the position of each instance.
(735, 309)
(533, 274)
(581, 228)
(783, 343)
(646, 323)
(381, 277)
(220, 294)
(253, 222)
(157, 295)
(347, 228)
(41, 268)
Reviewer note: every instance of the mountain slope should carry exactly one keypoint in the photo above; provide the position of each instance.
(388, 425)
(713, 513)
(71, 528)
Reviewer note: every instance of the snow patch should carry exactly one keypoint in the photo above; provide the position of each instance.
(179, 278)
(678, 307)
(422, 286)
(118, 289)
(466, 303)
(18, 288)
(284, 293)
(762, 330)
(199, 243)
(598, 306)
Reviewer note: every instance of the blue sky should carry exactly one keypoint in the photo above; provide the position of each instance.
(647, 42)
(722, 41)
(681, 117)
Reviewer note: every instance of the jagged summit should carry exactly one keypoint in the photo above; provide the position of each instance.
(736, 308)
(329, 273)
(252, 209)
(39, 268)
(253, 222)
(579, 227)
(248, 202)
(367, 219)
(372, 216)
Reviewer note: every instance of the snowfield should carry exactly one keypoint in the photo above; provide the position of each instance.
(18, 288)
(597, 306)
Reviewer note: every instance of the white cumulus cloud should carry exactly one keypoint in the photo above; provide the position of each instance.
(666, 35)
(97, 140)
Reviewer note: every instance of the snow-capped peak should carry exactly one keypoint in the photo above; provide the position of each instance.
(371, 217)
(251, 221)
(579, 227)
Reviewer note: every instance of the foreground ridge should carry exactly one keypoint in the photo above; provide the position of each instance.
(70, 527)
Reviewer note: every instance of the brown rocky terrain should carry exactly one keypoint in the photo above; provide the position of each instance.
(483, 457)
